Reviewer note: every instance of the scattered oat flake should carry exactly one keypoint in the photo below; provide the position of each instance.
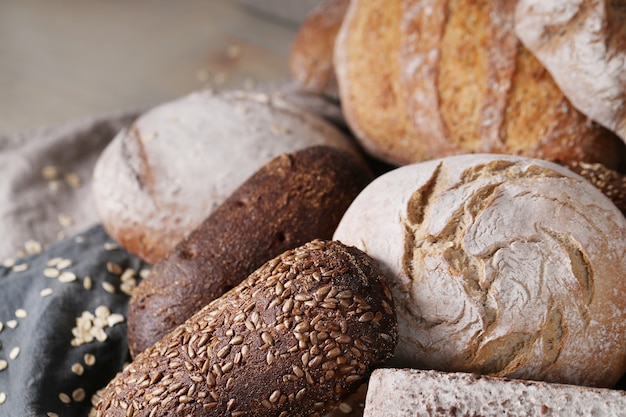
(108, 287)
(50, 172)
(8, 263)
(67, 276)
(20, 313)
(3, 397)
(65, 399)
(3, 364)
(90, 359)
(65, 220)
(51, 272)
(20, 267)
(72, 179)
(114, 319)
(14, 353)
(45, 292)
(12, 324)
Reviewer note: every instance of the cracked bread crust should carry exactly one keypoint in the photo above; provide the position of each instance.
(499, 265)
(158, 180)
(431, 78)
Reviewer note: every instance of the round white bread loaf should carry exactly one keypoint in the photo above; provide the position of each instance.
(500, 265)
(159, 179)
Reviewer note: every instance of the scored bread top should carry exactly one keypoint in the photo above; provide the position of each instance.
(499, 265)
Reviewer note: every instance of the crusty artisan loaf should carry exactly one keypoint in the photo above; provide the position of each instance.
(311, 57)
(291, 200)
(583, 45)
(160, 178)
(499, 265)
(420, 79)
(412, 392)
(293, 339)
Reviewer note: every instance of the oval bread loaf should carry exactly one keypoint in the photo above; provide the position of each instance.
(293, 339)
(499, 265)
(293, 199)
(422, 79)
(159, 179)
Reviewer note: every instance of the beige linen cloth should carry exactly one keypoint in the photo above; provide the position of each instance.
(45, 182)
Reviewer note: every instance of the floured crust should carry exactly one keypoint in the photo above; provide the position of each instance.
(499, 265)
(583, 45)
(411, 392)
(425, 79)
(159, 179)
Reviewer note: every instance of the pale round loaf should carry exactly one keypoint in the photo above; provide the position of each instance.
(499, 265)
(159, 179)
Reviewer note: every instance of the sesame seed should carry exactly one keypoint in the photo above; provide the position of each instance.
(1, 326)
(51, 273)
(20, 268)
(78, 395)
(77, 369)
(21, 313)
(3, 397)
(51, 414)
(89, 359)
(144, 272)
(65, 399)
(8, 263)
(108, 287)
(45, 292)
(114, 268)
(65, 220)
(63, 263)
(33, 247)
(72, 179)
(110, 246)
(14, 353)
(12, 324)
(87, 283)
(54, 185)
(3, 364)
(67, 277)
(49, 172)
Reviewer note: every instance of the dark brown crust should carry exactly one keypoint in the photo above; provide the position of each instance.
(293, 339)
(293, 199)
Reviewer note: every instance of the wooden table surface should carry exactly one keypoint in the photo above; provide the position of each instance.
(62, 60)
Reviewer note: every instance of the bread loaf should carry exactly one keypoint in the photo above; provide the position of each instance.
(158, 180)
(291, 200)
(583, 45)
(311, 57)
(411, 392)
(293, 339)
(432, 78)
(499, 265)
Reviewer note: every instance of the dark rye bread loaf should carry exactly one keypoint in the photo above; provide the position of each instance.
(291, 200)
(293, 339)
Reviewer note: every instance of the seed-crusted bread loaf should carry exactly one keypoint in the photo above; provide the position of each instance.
(499, 265)
(159, 179)
(422, 79)
(412, 392)
(293, 339)
(291, 200)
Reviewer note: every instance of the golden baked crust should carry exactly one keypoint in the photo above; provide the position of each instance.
(425, 79)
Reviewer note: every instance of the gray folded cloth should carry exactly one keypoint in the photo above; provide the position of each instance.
(45, 181)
